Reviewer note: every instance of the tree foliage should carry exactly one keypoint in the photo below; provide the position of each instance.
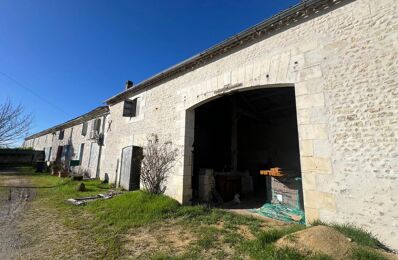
(14, 123)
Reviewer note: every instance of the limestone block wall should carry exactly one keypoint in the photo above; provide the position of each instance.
(72, 136)
(343, 64)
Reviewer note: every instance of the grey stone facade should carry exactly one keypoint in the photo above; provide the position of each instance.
(341, 60)
(49, 141)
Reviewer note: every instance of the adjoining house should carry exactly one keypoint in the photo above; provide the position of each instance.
(77, 143)
(300, 109)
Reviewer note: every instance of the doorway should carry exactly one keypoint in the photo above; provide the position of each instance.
(246, 144)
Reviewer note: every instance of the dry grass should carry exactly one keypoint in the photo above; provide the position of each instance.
(45, 236)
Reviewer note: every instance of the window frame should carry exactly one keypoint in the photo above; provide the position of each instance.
(84, 128)
(61, 135)
(140, 113)
(133, 110)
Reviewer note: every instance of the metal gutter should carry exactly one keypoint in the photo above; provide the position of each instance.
(291, 15)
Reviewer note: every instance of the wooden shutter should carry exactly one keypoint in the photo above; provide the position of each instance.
(84, 129)
(130, 108)
(61, 135)
(81, 151)
(97, 124)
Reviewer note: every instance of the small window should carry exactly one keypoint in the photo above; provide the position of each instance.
(84, 129)
(130, 108)
(61, 135)
(81, 153)
(47, 154)
(97, 125)
(66, 153)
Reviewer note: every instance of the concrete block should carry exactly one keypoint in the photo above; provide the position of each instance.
(312, 100)
(303, 116)
(227, 78)
(265, 71)
(322, 148)
(306, 148)
(318, 115)
(319, 200)
(235, 77)
(273, 69)
(320, 165)
(309, 181)
(283, 67)
(296, 62)
(256, 73)
(308, 44)
(313, 132)
(241, 74)
(309, 73)
(314, 86)
(311, 214)
(248, 74)
(301, 89)
(313, 58)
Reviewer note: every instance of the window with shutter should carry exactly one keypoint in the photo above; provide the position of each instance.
(130, 108)
(81, 153)
(61, 135)
(84, 128)
(49, 154)
(97, 124)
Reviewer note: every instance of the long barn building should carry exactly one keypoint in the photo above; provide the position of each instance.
(310, 94)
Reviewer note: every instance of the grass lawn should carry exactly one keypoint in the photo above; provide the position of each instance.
(141, 225)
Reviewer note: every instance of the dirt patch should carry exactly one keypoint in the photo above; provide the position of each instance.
(320, 239)
(325, 240)
(30, 230)
(46, 237)
(168, 238)
(14, 200)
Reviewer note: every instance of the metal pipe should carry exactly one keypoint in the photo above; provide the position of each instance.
(100, 147)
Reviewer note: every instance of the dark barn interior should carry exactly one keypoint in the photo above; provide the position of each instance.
(241, 134)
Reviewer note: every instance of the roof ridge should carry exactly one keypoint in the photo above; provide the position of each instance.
(285, 17)
(101, 110)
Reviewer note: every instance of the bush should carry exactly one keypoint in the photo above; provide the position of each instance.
(158, 160)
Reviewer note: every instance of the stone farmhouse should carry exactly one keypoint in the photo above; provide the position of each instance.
(310, 94)
(79, 139)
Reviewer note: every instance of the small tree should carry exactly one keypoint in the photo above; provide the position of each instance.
(158, 160)
(14, 123)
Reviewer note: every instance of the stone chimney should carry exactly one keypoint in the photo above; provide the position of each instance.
(129, 84)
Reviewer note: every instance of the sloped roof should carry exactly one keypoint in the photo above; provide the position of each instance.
(99, 111)
(271, 25)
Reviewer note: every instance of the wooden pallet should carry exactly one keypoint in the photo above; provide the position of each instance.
(274, 172)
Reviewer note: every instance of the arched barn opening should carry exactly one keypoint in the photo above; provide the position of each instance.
(246, 150)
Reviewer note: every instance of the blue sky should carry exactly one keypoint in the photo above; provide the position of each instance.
(62, 58)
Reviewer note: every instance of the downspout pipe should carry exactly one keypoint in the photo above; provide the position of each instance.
(100, 147)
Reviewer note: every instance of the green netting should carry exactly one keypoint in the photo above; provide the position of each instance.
(281, 212)
(280, 209)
